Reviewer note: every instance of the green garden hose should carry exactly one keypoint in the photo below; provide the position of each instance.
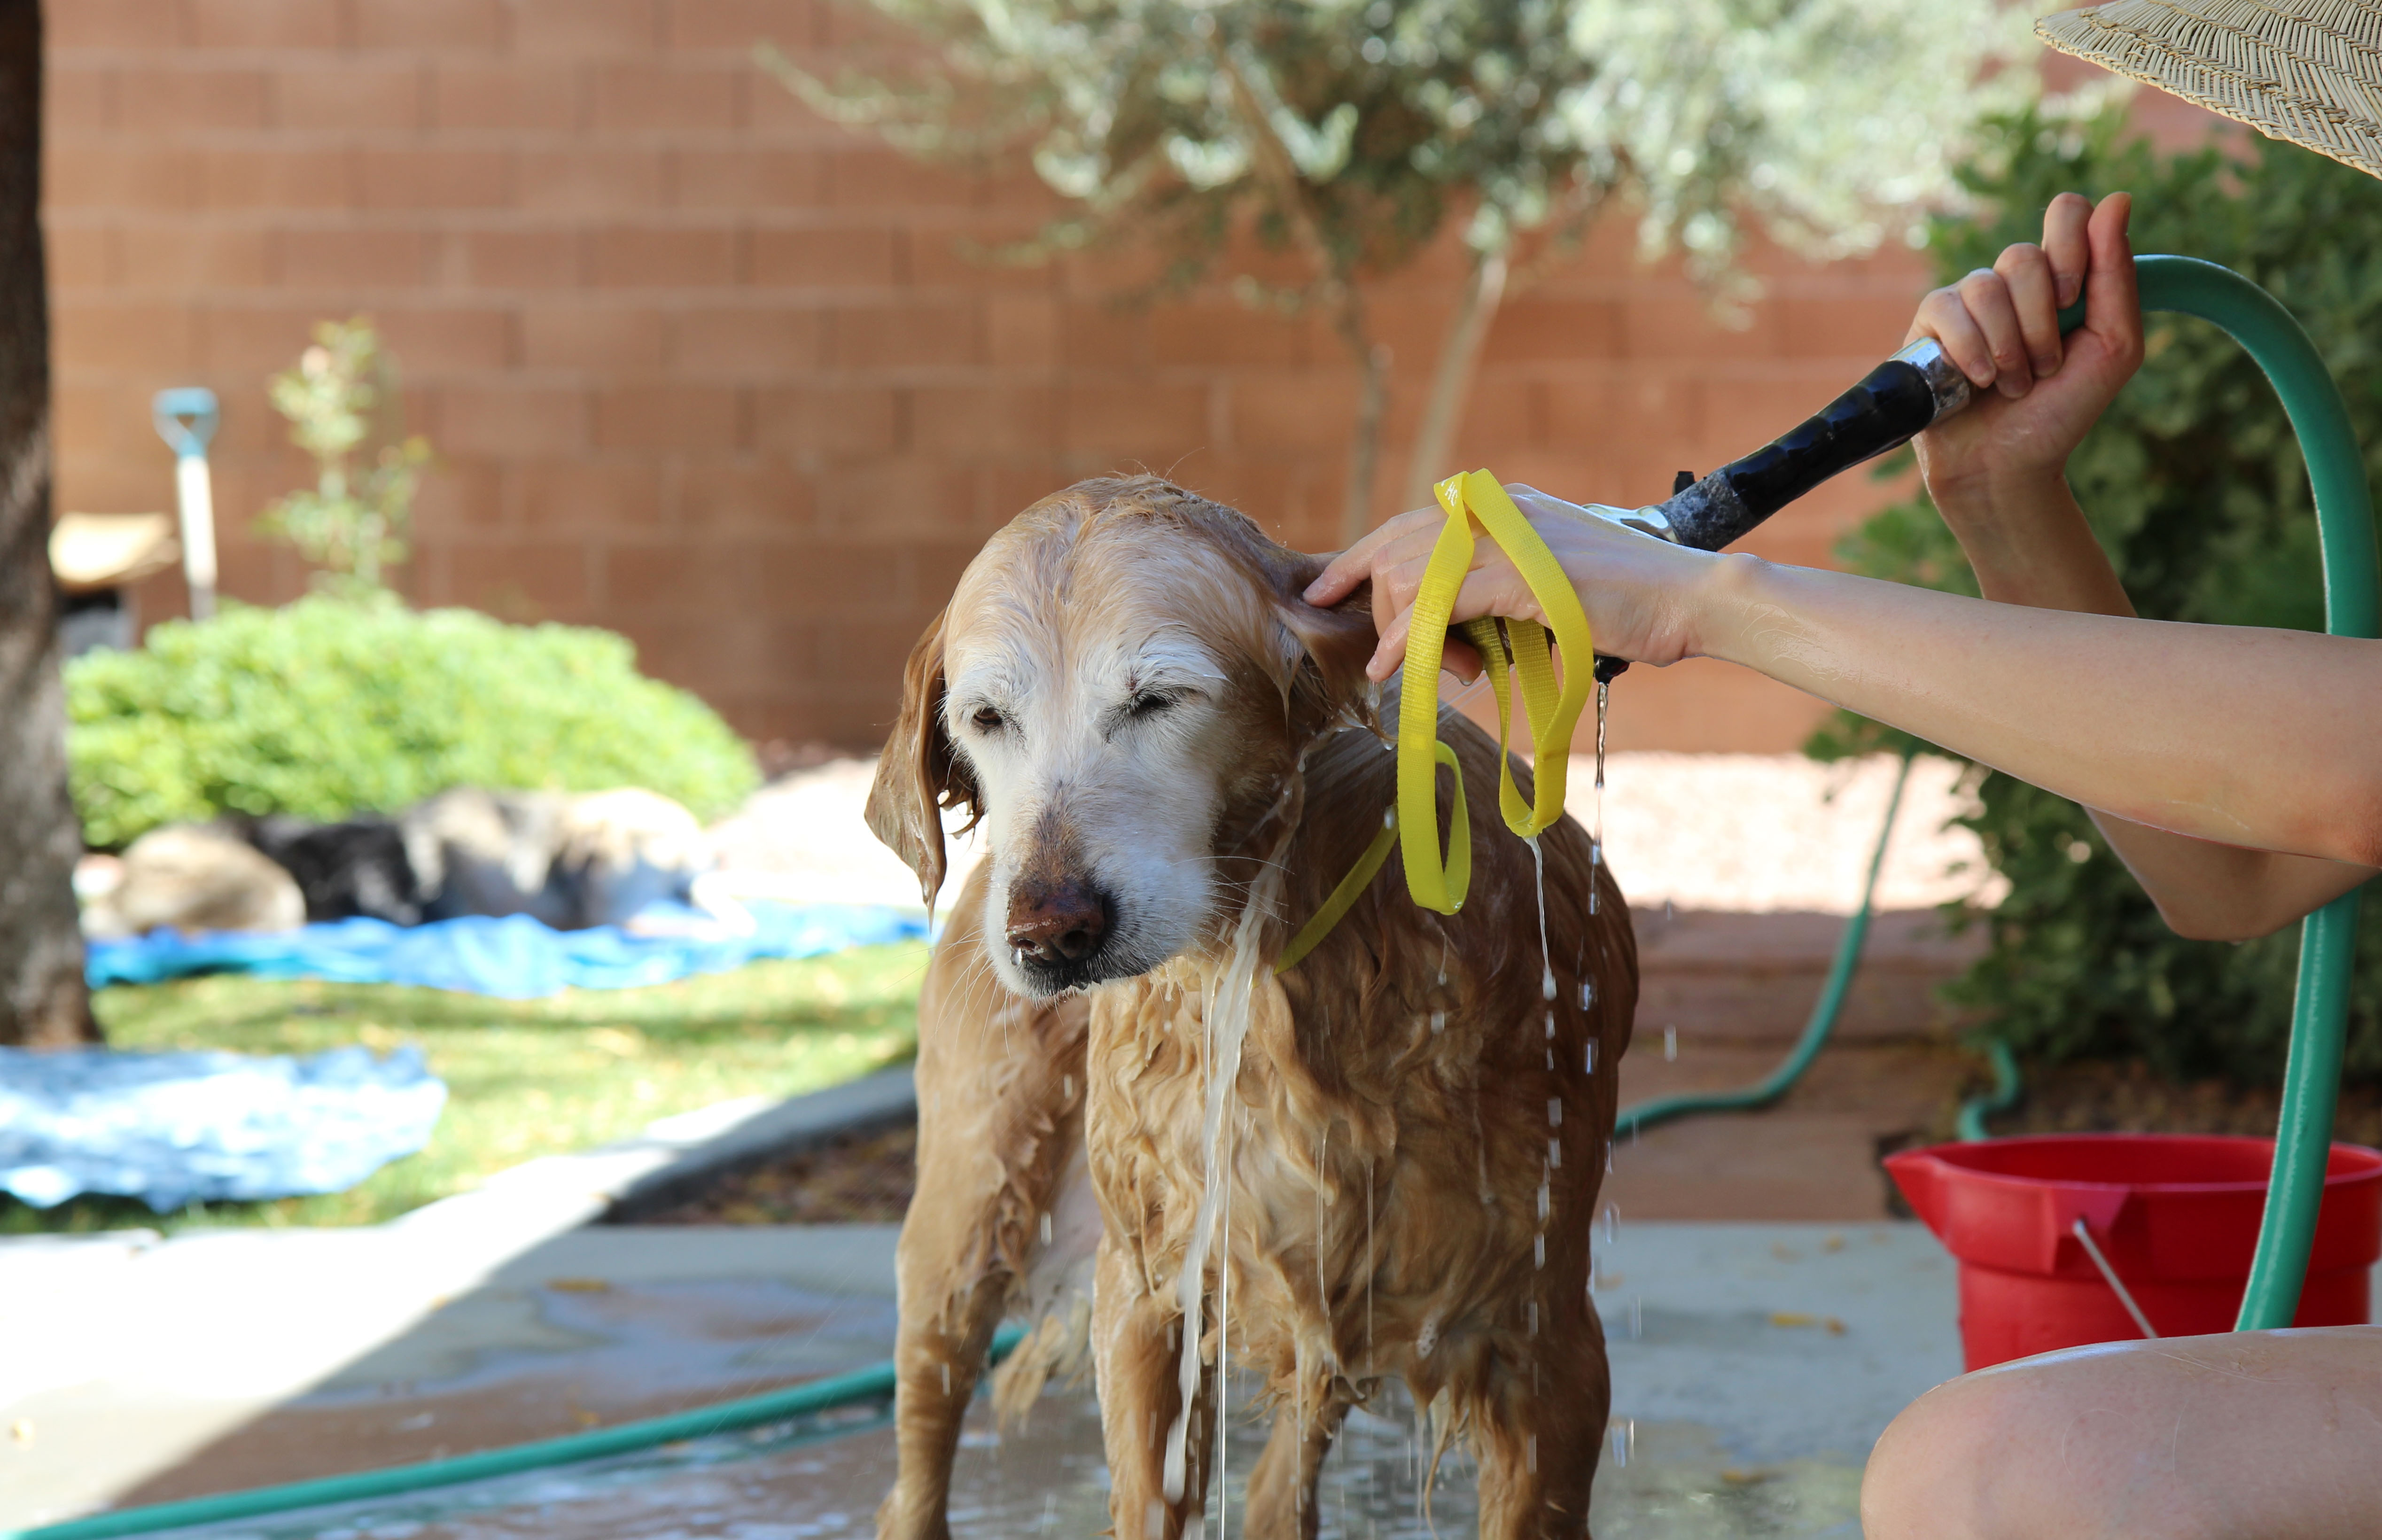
(856, 1388)
(2320, 1009)
(2344, 513)
(1823, 1020)
(2000, 1098)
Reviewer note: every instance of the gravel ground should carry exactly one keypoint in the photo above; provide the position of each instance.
(1748, 833)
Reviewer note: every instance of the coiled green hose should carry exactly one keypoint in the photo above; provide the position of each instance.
(856, 1388)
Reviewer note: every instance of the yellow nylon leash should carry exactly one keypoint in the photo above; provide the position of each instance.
(1552, 710)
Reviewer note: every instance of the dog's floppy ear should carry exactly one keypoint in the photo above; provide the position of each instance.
(918, 774)
(1336, 643)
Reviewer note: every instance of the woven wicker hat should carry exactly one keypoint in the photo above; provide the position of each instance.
(2306, 70)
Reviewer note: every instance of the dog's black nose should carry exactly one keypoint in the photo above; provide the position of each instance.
(1056, 923)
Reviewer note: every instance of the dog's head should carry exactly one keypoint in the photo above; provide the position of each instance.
(1119, 689)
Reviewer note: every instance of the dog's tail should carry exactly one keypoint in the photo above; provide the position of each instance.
(1060, 1345)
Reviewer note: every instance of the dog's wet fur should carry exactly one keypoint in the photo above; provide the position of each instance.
(1128, 692)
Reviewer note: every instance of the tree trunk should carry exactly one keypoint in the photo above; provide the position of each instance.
(1451, 382)
(42, 1002)
(1365, 446)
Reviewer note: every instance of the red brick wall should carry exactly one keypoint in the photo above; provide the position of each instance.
(705, 369)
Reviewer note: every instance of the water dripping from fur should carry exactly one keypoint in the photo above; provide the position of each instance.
(1227, 1020)
(1596, 828)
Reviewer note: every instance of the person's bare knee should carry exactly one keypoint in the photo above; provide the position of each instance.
(1932, 1472)
(2278, 1434)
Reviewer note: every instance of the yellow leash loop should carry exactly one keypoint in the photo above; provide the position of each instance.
(1552, 710)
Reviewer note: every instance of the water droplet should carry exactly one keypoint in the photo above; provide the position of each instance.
(1438, 1021)
(1534, 1318)
(1637, 1316)
(1547, 986)
(1555, 1154)
(1670, 1044)
(1611, 1219)
(1546, 1204)
(1532, 1459)
(1554, 1112)
(1596, 829)
(1589, 1066)
(947, 1379)
(1620, 1447)
(1551, 1024)
(1586, 993)
(1538, 1248)
(1045, 1229)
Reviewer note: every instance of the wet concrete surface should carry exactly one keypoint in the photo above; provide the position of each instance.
(1752, 1366)
(141, 1372)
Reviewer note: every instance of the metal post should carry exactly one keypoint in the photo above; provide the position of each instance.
(186, 419)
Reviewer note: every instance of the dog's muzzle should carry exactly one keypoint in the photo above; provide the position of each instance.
(1057, 932)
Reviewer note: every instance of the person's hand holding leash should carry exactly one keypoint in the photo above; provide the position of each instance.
(1638, 592)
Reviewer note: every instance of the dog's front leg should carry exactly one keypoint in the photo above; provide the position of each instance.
(1540, 1431)
(1281, 1504)
(997, 1078)
(1138, 1365)
(939, 1351)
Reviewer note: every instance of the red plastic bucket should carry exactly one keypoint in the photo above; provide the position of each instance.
(2175, 1216)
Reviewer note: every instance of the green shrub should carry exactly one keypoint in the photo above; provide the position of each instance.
(327, 707)
(2194, 483)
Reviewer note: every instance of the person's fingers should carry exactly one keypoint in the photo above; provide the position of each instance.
(1391, 649)
(1398, 568)
(1494, 586)
(1353, 564)
(2025, 271)
(1944, 317)
(1987, 300)
(2065, 244)
(2113, 307)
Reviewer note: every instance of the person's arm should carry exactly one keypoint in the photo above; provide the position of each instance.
(1998, 475)
(2206, 738)
(2247, 737)
(2204, 889)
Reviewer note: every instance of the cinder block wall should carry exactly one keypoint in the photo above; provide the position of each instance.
(707, 370)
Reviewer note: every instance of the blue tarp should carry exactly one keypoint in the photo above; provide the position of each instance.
(175, 1128)
(516, 957)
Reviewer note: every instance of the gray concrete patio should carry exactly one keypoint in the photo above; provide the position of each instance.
(1752, 1366)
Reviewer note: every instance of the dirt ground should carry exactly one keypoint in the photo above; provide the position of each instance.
(2126, 1097)
(858, 1179)
(1815, 1155)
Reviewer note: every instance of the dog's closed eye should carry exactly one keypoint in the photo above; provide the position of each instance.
(987, 719)
(1150, 702)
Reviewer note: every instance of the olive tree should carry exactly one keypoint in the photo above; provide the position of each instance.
(1355, 133)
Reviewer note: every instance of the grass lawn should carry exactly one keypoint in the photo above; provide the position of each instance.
(524, 1078)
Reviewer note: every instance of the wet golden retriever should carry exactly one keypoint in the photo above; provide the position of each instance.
(1175, 760)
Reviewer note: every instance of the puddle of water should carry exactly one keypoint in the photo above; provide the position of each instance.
(823, 1480)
